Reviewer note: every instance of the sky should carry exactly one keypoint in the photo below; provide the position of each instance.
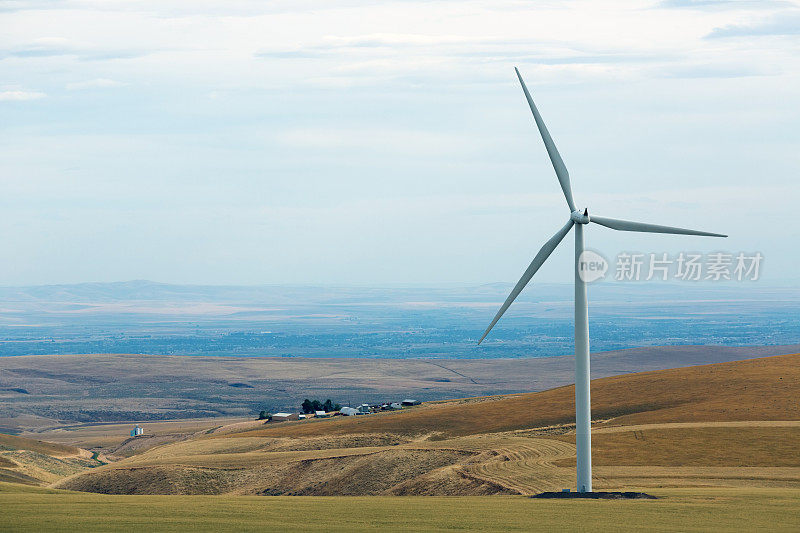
(353, 142)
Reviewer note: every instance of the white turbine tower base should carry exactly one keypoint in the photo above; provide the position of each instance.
(583, 402)
(583, 414)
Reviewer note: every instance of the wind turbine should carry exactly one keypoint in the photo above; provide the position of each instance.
(578, 219)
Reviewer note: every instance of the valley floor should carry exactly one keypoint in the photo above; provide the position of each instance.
(36, 509)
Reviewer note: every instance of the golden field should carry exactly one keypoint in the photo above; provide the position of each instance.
(711, 509)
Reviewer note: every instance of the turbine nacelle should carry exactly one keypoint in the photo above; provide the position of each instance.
(580, 218)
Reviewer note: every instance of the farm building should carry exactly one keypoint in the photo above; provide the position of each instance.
(282, 417)
(409, 402)
(321, 414)
(349, 411)
(135, 432)
(364, 408)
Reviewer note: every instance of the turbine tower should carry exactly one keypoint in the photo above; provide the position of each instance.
(578, 219)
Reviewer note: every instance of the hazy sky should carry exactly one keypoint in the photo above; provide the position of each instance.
(343, 142)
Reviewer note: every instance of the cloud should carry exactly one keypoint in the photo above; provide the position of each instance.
(713, 70)
(299, 53)
(19, 96)
(376, 139)
(58, 47)
(783, 23)
(99, 83)
(180, 8)
(380, 40)
(414, 46)
(334, 43)
(423, 60)
(723, 4)
(24, 5)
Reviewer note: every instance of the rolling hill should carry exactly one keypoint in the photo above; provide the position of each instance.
(727, 424)
(754, 389)
(35, 462)
(103, 388)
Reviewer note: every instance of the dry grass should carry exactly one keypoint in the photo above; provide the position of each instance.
(646, 477)
(513, 462)
(35, 462)
(335, 472)
(697, 446)
(755, 389)
(485, 445)
(109, 388)
(40, 510)
(111, 436)
(12, 442)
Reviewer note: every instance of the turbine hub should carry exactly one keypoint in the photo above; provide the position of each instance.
(580, 218)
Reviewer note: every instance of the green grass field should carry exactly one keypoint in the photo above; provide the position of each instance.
(41, 510)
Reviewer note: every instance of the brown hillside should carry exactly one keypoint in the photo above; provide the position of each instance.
(12, 442)
(35, 462)
(731, 424)
(712, 445)
(755, 389)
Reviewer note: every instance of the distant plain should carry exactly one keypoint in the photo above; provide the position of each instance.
(373, 322)
(273, 346)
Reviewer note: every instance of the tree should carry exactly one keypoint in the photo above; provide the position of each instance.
(329, 406)
(307, 407)
(264, 415)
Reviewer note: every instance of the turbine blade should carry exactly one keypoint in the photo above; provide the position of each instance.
(627, 225)
(537, 262)
(552, 151)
